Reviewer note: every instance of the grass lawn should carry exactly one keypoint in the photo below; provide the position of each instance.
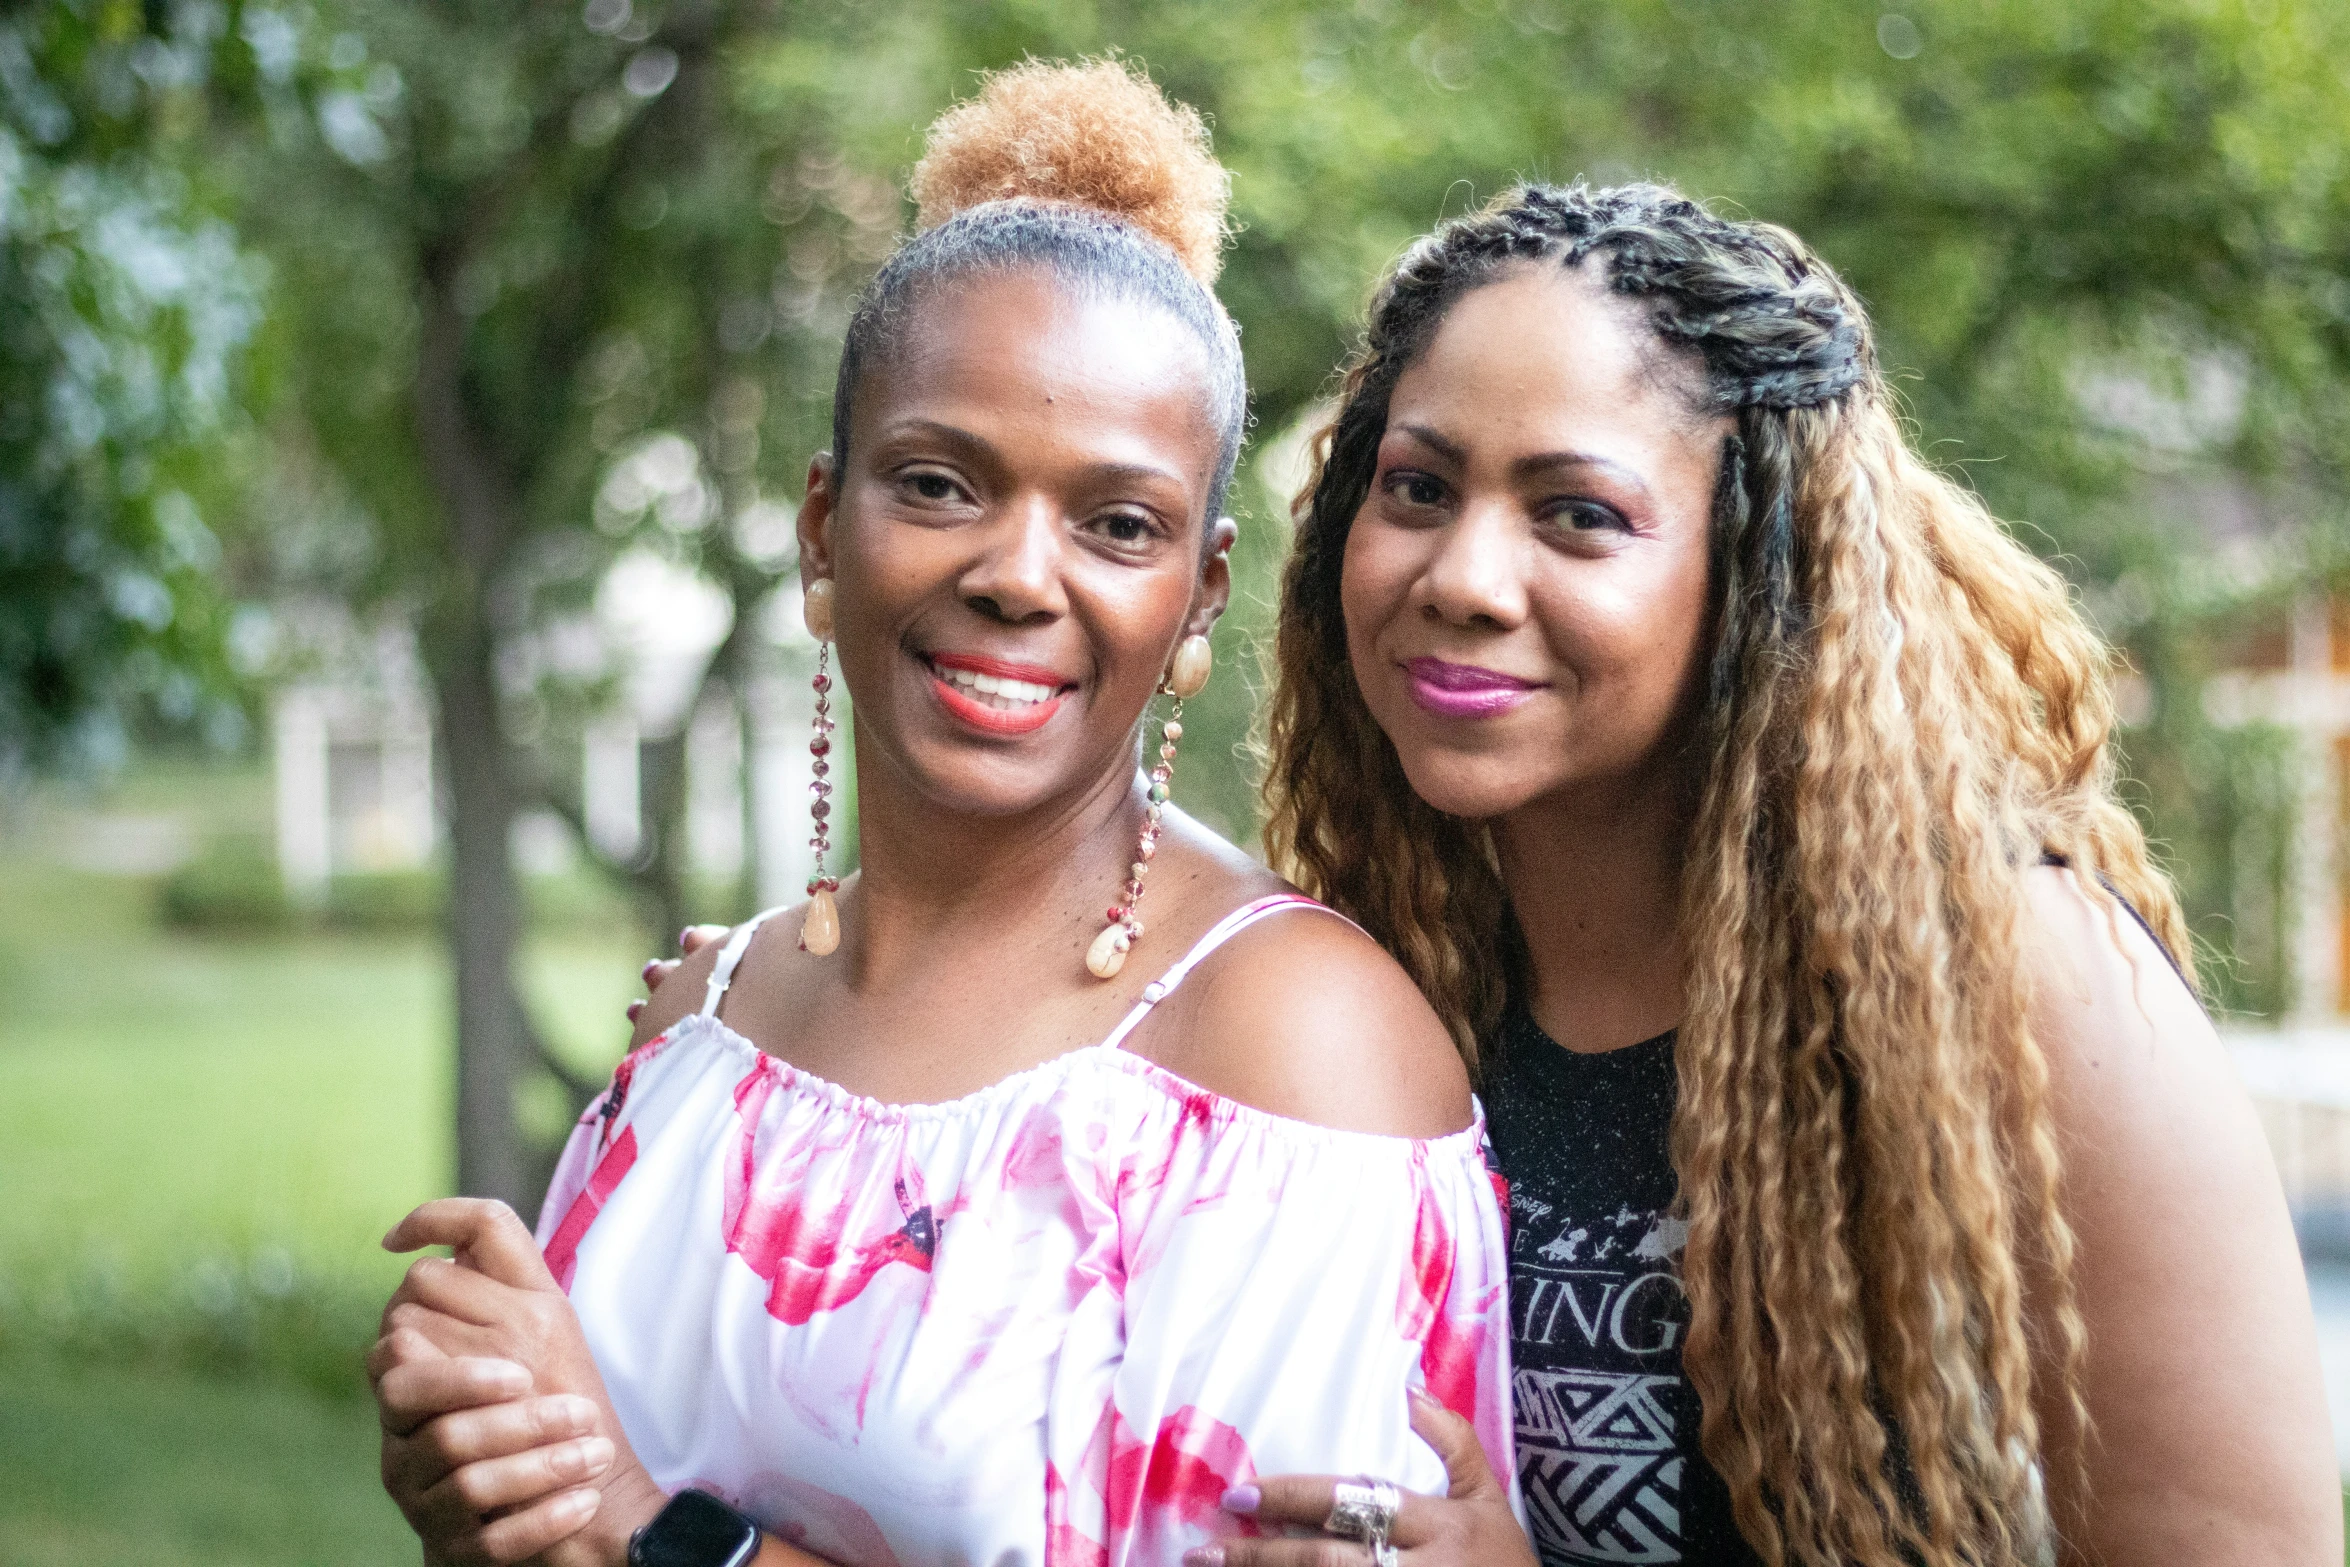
(116, 1468)
(196, 1125)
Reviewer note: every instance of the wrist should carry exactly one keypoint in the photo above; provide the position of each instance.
(630, 1501)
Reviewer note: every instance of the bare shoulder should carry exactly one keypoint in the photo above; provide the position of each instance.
(2147, 1106)
(2129, 1049)
(2201, 1376)
(1304, 1016)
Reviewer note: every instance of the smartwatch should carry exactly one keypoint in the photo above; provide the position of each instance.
(694, 1530)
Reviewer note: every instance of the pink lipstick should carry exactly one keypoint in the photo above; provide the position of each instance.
(1464, 690)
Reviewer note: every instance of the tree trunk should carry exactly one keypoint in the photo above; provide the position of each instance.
(495, 1041)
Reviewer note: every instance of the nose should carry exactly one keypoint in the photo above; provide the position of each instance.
(1016, 575)
(1477, 577)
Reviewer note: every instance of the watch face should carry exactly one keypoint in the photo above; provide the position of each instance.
(696, 1530)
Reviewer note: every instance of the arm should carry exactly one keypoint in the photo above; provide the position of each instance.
(2210, 1441)
(1285, 1289)
(495, 1308)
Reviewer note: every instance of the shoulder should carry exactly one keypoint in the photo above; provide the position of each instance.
(2134, 1063)
(1303, 1015)
(2201, 1375)
(2109, 1009)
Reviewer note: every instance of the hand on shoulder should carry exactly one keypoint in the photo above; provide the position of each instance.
(1302, 1015)
(678, 990)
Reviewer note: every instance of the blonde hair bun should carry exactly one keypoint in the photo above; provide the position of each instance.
(1096, 134)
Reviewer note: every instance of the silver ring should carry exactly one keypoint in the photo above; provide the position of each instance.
(1384, 1554)
(1364, 1510)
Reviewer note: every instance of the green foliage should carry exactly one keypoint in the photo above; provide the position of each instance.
(125, 302)
(231, 885)
(251, 1318)
(2103, 240)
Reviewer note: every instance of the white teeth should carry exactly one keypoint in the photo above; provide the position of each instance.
(1009, 692)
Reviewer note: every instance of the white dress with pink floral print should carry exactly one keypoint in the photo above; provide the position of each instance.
(1048, 1323)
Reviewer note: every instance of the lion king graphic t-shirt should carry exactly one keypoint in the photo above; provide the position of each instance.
(1607, 1426)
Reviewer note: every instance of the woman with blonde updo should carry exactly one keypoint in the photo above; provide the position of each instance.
(978, 1224)
(1741, 794)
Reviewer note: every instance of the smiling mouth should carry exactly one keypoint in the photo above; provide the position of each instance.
(1449, 690)
(993, 697)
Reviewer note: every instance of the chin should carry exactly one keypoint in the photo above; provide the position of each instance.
(1462, 784)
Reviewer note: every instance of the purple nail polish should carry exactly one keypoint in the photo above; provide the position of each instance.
(1204, 1556)
(1243, 1499)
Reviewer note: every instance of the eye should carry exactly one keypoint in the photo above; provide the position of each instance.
(1589, 517)
(931, 485)
(1414, 488)
(1125, 527)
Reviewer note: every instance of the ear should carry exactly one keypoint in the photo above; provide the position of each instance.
(1215, 579)
(815, 520)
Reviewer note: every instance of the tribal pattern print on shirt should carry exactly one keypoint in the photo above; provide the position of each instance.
(1597, 1451)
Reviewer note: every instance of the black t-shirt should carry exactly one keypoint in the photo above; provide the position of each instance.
(1607, 1426)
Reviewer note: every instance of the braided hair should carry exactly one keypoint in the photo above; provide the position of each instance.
(1904, 710)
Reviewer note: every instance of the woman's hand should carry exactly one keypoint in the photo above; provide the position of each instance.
(689, 941)
(1470, 1526)
(483, 1472)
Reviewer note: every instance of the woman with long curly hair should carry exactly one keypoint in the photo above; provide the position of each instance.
(1742, 795)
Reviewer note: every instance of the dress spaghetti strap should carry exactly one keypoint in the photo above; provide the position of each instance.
(1222, 931)
(730, 956)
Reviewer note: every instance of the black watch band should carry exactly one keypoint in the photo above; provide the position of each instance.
(694, 1530)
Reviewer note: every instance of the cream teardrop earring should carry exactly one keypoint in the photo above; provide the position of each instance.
(820, 931)
(1187, 676)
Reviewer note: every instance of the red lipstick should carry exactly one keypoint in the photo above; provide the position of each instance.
(1464, 690)
(966, 686)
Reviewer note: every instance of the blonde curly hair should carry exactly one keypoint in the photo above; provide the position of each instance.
(1097, 134)
(1906, 712)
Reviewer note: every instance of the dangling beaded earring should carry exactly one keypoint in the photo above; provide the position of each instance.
(820, 932)
(1187, 676)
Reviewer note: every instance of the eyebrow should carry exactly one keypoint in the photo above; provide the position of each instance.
(1452, 451)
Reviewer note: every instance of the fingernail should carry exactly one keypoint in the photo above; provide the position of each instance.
(681, 935)
(1422, 1401)
(590, 1455)
(580, 1504)
(645, 974)
(507, 1377)
(635, 1007)
(1243, 1499)
(1204, 1556)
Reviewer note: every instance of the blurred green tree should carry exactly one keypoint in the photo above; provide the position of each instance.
(125, 305)
(513, 243)
(2104, 241)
